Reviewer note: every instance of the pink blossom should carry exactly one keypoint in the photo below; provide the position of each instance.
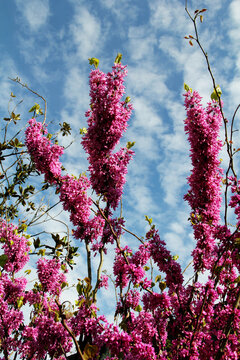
(44, 154)
(204, 197)
(107, 120)
(15, 247)
(50, 276)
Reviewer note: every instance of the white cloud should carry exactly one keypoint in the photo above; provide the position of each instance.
(146, 116)
(234, 9)
(86, 32)
(141, 42)
(173, 172)
(168, 16)
(35, 12)
(123, 10)
(8, 68)
(234, 91)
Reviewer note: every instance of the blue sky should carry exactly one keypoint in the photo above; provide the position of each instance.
(47, 44)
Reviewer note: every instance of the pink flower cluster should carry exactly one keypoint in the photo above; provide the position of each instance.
(50, 276)
(131, 270)
(44, 154)
(11, 318)
(45, 334)
(73, 195)
(15, 247)
(204, 197)
(107, 120)
(162, 257)
(235, 199)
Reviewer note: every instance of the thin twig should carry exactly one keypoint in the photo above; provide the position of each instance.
(17, 80)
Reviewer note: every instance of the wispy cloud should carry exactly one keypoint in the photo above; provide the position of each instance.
(85, 31)
(34, 12)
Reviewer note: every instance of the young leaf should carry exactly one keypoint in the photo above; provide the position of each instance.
(83, 131)
(149, 220)
(94, 61)
(216, 93)
(118, 58)
(3, 259)
(130, 144)
(138, 308)
(187, 88)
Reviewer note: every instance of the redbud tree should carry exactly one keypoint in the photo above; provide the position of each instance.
(197, 320)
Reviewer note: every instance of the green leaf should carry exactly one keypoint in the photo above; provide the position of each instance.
(64, 284)
(130, 144)
(3, 260)
(94, 61)
(187, 88)
(175, 257)
(79, 289)
(42, 252)
(162, 285)
(65, 129)
(138, 308)
(149, 220)
(35, 108)
(83, 131)
(216, 94)
(127, 99)
(20, 302)
(36, 243)
(118, 58)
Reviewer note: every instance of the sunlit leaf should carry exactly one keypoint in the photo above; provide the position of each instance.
(94, 61)
(118, 58)
(149, 220)
(83, 131)
(138, 308)
(187, 88)
(216, 94)
(130, 144)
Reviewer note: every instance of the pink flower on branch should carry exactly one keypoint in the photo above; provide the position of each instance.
(50, 276)
(15, 247)
(44, 154)
(204, 197)
(107, 120)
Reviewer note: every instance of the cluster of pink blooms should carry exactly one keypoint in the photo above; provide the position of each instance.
(172, 322)
(15, 247)
(73, 195)
(107, 120)
(44, 154)
(50, 277)
(43, 334)
(235, 199)
(204, 197)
